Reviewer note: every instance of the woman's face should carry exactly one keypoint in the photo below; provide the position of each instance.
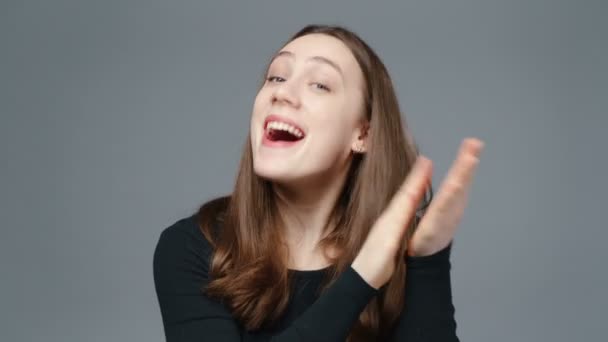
(315, 84)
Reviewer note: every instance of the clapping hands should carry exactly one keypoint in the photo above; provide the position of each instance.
(376, 259)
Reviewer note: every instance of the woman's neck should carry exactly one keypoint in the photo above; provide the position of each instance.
(306, 211)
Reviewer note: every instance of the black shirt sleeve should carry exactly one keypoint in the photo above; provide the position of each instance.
(181, 268)
(428, 314)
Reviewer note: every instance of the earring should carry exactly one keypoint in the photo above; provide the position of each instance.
(360, 148)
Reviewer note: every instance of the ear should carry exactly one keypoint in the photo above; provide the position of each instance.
(361, 137)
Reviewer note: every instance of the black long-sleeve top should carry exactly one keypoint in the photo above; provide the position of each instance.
(181, 267)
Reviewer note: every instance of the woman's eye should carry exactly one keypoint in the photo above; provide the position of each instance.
(317, 85)
(275, 79)
(321, 86)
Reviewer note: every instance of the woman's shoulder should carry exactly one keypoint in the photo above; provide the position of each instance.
(182, 242)
(184, 229)
(185, 235)
(181, 257)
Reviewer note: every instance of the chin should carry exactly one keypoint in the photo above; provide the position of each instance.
(274, 173)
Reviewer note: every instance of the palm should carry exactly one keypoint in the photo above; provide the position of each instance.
(440, 222)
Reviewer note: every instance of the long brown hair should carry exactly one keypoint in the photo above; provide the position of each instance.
(248, 259)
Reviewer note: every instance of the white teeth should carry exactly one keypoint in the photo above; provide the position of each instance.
(277, 125)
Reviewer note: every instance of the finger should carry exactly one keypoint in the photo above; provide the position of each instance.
(474, 145)
(450, 200)
(462, 171)
(454, 189)
(404, 203)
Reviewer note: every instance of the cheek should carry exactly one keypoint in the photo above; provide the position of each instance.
(332, 138)
(326, 151)
(257, 104)
(258, 111)
(336, 122)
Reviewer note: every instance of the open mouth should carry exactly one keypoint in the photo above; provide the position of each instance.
(278, 131)
(282, 135)
(281, 131)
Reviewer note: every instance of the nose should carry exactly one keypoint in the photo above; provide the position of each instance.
(286, 92)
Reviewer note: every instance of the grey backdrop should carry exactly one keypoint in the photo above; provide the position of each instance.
(120, 117)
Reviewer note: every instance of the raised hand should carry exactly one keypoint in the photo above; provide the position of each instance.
(441, 220)
(376, 259)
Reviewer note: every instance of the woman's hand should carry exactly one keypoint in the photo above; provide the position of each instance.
(375, 262)
(439, 223)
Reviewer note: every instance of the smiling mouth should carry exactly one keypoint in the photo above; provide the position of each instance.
(281, 135)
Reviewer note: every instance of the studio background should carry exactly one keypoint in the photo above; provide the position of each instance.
(120, 117)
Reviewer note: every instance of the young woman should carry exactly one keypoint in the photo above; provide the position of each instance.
(329, 233)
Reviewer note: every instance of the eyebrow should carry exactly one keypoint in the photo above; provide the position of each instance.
(320, 59)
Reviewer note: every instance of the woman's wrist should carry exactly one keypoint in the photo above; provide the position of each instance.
(440, 257)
